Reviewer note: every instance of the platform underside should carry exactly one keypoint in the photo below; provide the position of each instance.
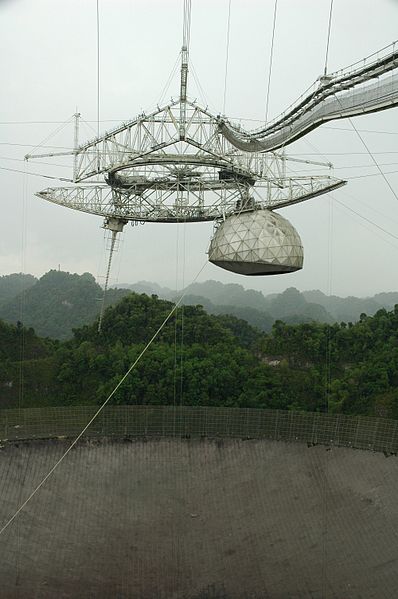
(254, 268)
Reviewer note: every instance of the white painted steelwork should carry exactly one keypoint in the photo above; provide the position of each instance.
(368, 86)
(181, 163)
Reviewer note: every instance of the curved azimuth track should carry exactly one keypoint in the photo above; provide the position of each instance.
(366, 86)
(154, 172)
(181, 163)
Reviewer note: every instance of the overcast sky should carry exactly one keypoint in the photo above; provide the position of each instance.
(49, 68)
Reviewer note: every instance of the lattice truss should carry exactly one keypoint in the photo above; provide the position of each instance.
(182, 163)
(175, 165)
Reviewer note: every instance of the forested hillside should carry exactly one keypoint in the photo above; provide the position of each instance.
(57, 303)
(261, 311)
(202, 359)
(13, 285)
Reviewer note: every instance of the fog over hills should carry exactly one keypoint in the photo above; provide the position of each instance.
(60, 301)
(291, 306)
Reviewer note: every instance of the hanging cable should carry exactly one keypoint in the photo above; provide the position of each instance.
(52, 134)
(98, 82)
(176, 317)
(271, 57)
(227, 56)
(22, 290)
(34, 162)
(370, 154)
(169, 80)
(365, 219)
(373, 159)
(8, 143)
(198, 83)
(182, 317)
(374, 175)
(14, 170)
(186, 31)
(328, 38)
(102, 406)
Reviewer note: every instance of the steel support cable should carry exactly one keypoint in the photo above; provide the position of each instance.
(50, 135)
(14, 170)
(373, 175)
(362, 221)
(198, 83)
(361, 130)
(22, 303)
(321, 106)
(374, 160)
(184, 224)
(328, 381)
(102, 406)
(34, 162)
(169, 80)
(368, 220)
(176, 316)
(271, 58)
(227, 56)
(320, 109)
(8, 143)
(186, 37)
(98, 80)
(370, 154)
(341, 153)
(345, 83)
(351, 166)
(328, 38)
(21, 385)
(352, 210)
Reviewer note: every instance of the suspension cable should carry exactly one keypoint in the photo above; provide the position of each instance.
(15, 170)
(227, 55)
(184, 224)
(102, 406)
(370, 154)
(328, 38)
(169, 80)
(373, 159)
(98, 81)
(51, 135)
(186, 30)
(271, 57)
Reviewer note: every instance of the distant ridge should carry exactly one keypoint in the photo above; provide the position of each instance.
(55, 304)
(60, 301)
(291, 306)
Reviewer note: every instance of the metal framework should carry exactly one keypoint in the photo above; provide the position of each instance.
(367, 86)
(181, 163)
(156, 170)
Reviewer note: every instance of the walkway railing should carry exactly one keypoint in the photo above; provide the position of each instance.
(375, 434)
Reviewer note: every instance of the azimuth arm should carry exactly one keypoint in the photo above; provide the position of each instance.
(352, 92)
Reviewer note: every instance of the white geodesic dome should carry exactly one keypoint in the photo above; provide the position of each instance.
(258, 242)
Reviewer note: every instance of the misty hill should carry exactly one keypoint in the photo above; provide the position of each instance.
(201, 359)
(349, 309)
(258, 310)
(291, 306)
(13, 285)
(57, 303)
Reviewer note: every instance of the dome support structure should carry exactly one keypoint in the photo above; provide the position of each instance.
(181, 163)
